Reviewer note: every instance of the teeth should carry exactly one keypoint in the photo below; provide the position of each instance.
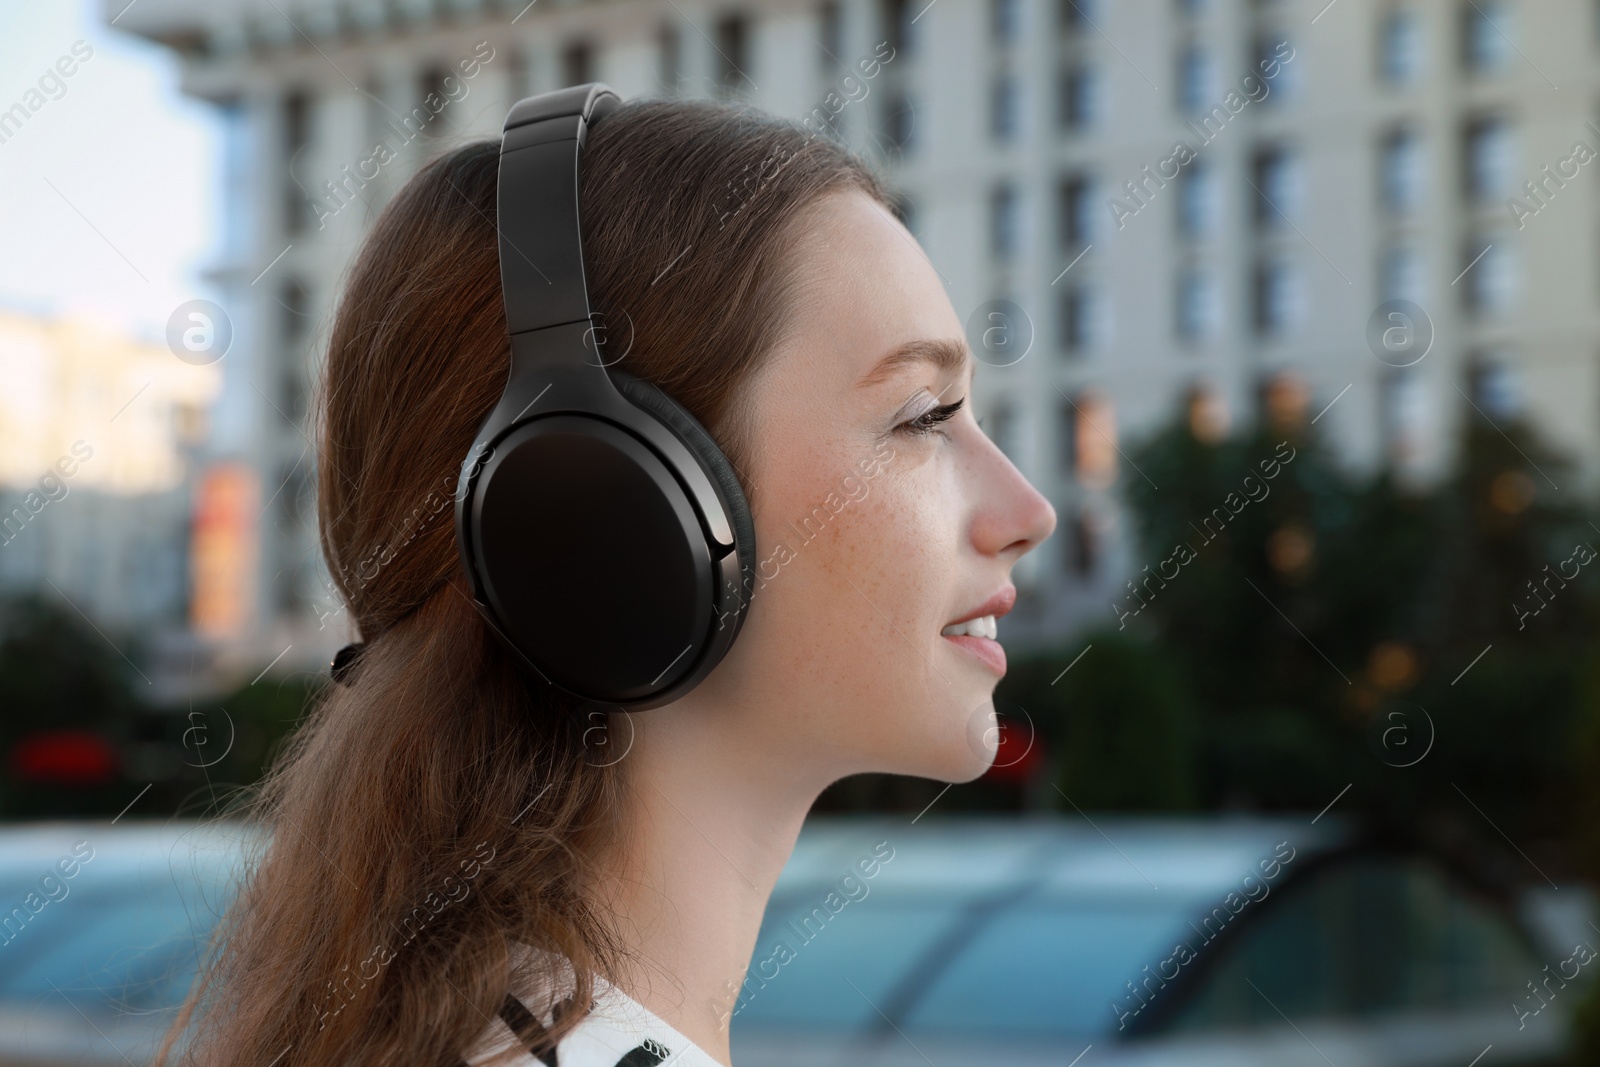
(983, 626)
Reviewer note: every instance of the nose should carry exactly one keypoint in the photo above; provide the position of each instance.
(1013, 518)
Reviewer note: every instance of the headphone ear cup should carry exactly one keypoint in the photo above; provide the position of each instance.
(695, 437)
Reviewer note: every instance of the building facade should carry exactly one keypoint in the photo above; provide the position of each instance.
(99, 437)
(1140, 208)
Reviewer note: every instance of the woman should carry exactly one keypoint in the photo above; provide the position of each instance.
(446, 832)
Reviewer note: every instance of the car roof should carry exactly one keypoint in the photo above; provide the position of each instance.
(1062, 856)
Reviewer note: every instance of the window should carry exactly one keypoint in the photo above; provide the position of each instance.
(1002, 426)
(1003, 223)
(1278, 187)
(899, 121)
(1083, 547)
(1005, 20)
(294, 319)
(1400, 46)
(1076, 16)
(1282, 398)
(832, 29)
(516, 72)
(1091, 438)
(297, 209)
(1494, 385)
(1077, 212)
(434, 80)
(1195, 76)
(1486, 35)
(733, 35)
(375, 112)
(1080, 326)
(1198, 206)
(577, 63)
(1403, 404)
(1492, 279)
(906, 212)
(1206, 413)
(289, 506)
(1400, 172)
(1400, 275)
(1198, 309)
(1279, 297)
(239, 170)
(1491, 159)
(1005, 105)
(897, 26)
(1441, 927)
(1067, 439)
(669, 56)
(1079, 102)
(294, 303)
(1276, 48)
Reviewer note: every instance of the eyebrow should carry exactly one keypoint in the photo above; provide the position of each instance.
(947, 356)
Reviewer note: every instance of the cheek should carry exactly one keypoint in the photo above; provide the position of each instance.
(845, 578)
(854, 617)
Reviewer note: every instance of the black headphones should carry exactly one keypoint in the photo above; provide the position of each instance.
(606, 535)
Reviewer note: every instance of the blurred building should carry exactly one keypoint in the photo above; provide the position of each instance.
(1187, 206)
(98, 439)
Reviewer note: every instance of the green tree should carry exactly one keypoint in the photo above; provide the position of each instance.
(1324, 620)
(1128, 738)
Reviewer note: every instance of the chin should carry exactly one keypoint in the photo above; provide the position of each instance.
(968, 768)
(960, 751)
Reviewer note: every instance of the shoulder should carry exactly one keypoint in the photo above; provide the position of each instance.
(619, 1032)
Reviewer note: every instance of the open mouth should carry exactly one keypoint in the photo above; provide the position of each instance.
(976, 633)
(977, 638)
(982, 626)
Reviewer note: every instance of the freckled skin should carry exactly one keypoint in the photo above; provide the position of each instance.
(848, 630)
(840, 668)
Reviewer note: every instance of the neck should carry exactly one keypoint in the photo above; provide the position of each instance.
(711, 819)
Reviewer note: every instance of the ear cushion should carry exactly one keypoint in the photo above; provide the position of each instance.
(697, 440)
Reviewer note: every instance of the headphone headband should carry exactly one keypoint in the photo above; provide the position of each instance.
(541, 270)
(607, 537)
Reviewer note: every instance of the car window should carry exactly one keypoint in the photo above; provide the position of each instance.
(137, 951)
(1364, 938)
(1047, 969)
(869, 943)
(127, 935)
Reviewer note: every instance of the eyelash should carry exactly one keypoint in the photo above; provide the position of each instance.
(928, 422)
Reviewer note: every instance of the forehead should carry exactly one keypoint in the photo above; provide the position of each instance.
(868, 304)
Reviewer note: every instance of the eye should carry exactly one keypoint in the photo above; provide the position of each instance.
(928, 422)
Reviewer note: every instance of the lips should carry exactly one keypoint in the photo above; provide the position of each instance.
(986, 650)
(975, 632)
(997, 605)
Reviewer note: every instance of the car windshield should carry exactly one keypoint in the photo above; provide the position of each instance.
(126, 931)
(982, 932)
(1074, 940)
(1041, 968)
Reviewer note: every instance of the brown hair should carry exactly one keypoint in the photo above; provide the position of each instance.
(444, 803)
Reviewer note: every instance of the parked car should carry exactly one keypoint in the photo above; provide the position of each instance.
(1119, 941)
(1135, 941)
(100, 932)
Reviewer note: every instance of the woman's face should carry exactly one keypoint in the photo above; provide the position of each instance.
(871, 536)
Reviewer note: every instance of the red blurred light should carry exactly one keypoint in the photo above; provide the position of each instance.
(64, 757)
(1019, 755)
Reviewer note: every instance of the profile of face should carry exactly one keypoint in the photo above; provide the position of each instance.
(876, 525)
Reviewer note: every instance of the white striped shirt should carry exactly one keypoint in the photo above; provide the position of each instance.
(618, 1032)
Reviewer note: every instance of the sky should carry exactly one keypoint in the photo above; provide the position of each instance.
(109, 192)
